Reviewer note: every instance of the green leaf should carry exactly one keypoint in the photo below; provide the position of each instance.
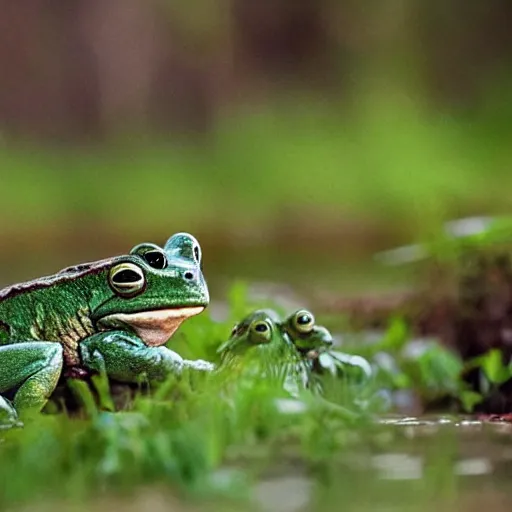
(440, 369)
(396, 335)
(494, 368)
(82, 392)
(469, 399)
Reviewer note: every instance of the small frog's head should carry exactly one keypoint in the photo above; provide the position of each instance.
(258, 328)
(305, 334)
(152, 290)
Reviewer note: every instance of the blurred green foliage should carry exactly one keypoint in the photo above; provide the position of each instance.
(396, 162)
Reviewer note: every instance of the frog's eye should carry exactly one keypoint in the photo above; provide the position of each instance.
(233, 331)
(184, 245)
(151, 254)
(303, 321)
(155, 259)
(126, 279)
(261, 329)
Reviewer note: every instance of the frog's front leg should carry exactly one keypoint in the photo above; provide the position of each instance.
(34, 368)
(124, 357)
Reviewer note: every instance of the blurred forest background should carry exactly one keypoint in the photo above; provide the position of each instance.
(293, 138)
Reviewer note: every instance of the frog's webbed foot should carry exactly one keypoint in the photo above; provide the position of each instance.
(124, 357)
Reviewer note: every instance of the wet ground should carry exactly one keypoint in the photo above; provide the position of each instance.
(441, 462)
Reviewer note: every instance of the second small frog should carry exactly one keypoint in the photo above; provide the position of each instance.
(314, 343)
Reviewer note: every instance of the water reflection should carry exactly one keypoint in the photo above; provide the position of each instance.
(416, 463)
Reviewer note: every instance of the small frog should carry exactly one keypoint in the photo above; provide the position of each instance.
(307, 337)
(314, 342)
(259, 347)
(111, 316)
(256, 329)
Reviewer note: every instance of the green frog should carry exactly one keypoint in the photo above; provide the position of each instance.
(306, 335)
(258, 347)
(296, 346)
(314, 342)
(265, 326)
(111, 316)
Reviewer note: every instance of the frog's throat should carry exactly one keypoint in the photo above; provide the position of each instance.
(154, 328)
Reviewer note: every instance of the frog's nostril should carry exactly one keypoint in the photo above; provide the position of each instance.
(189, 275)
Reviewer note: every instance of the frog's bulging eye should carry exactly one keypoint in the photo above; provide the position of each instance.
(126, 279)
(153, 255)
(262, 330)
(184, 245)
(304, 321)
(155, 259)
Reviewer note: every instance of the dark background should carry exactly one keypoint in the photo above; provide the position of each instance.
(293, 138)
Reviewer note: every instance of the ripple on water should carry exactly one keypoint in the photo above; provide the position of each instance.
(476, 466)
(398, 466)
(286, 493)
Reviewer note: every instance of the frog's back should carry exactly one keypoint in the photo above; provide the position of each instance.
(52, 308)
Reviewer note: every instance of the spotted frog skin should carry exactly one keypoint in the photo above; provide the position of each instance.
(111, 316)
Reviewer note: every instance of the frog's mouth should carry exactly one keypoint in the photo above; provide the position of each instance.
(155, 327)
